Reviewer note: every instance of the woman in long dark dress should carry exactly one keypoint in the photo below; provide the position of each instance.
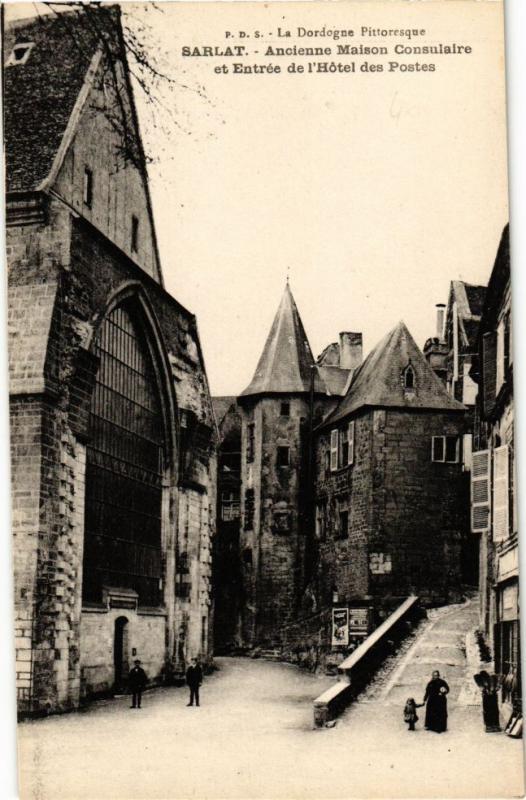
(436, 703)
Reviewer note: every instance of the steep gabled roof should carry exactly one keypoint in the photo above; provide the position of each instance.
(475, 297)
(285, 364)
(221, 405)
(470, 302)
(40, 94)
(498, 282)
(74, 55)
(379, 382)
(335, 379)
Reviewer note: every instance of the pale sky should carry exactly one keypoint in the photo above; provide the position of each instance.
(375, 191)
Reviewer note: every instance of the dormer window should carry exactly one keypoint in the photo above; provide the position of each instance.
(409, 379)
(134, 233)
(19, 53)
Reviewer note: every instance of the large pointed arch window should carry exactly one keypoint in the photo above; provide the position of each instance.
(124, 465)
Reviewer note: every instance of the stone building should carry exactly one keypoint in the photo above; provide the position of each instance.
(493, 495)
(389, 513)
(287, 396)
(452, 354)
(227, 559)
(350, 490)
(112, 430)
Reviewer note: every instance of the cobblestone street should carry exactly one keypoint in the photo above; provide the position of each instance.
(253, 737)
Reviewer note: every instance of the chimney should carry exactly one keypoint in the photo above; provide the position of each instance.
(440, 320)
(350, 350)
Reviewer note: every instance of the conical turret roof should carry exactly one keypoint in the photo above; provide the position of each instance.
(380, 379)
(285, 364)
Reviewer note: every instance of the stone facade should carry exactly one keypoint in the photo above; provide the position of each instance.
(264, 563)
(274, 528)
(228, 560)
(493, 498)
(352, 498)
(74, 262)
(405, 514)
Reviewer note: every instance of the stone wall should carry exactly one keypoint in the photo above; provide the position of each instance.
(145, 639)
(59, 293)
(344, 554)
(25, 421)
(273, 548)
(407, 514)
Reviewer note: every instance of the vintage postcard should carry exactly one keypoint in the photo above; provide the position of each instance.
(264, 517)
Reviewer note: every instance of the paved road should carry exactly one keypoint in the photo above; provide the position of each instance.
(253, 738)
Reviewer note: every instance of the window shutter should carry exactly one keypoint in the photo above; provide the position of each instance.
(500, 493)
(350, 439)
(480, 491)
(499, 372)
(489, 371)
(334, 450)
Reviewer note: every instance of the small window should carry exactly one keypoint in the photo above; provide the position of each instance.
(285, 410)
(341, 522)
(409, 379)
(20, 53)
(350, 441)
(344, 523)
(251, 441)
(134, 233)
(182, 564)
(87, 189)
(321, 517)
(247, 556)
(452, 448)
(344, 447)
(229, 506)
(250, 502)
(445, 449)
(283, 456)
(334, 450)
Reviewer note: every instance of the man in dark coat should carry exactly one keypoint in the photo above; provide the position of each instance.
(194, 679)
(137, 680)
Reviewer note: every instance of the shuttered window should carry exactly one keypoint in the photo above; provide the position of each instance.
(350, 440)
(500, 493)
(489, 371)
(499, 378)
(334, 450)
(480, 491)
(445, 449)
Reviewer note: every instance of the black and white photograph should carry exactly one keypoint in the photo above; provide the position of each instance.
(264, 517)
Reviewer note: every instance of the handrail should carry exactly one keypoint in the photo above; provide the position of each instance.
(334, 699)
(377, 634)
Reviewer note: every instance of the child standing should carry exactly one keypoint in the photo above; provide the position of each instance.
(410, 715)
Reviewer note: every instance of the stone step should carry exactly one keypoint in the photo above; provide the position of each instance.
(272, 655)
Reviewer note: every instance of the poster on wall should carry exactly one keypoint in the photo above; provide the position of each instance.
(358, 621)
(340, 626)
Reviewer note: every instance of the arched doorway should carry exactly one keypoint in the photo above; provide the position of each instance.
(120, 653)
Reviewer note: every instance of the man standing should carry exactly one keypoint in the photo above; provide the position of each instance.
(194, 679)
(137, 680)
